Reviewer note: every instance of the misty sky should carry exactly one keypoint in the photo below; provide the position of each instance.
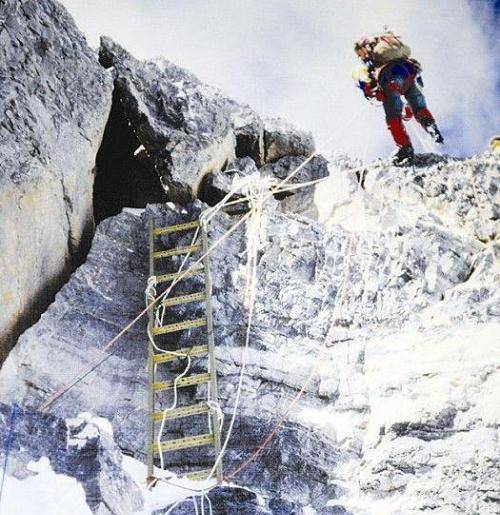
(294, 58)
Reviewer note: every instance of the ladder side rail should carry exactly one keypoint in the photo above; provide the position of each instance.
(151, 365)
(211, 349)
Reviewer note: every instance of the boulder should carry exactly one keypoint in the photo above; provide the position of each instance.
(315, 169)
(281, 138)
(54, 100)
(298, 200)
(302, 202)
(184, 125)
(218, 184)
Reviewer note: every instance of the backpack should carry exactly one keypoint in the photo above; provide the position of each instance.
(387, 47)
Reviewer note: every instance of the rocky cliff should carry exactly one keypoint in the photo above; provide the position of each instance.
(54, 103)
(396, 268)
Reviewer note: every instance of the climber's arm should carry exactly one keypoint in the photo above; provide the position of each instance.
(367, 82)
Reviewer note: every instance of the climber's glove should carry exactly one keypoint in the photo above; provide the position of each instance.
(370, 91)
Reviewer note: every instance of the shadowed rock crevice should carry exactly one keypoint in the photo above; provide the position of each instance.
(124, 174)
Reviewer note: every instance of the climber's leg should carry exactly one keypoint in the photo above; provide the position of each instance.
(393, 85)
(415, 97)
(393, 107)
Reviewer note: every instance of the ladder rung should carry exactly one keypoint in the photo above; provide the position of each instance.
(200, 475)
(184, 411)
(184, 443)
(180, 326)
(175, 275)
(184, 299)
(197, 350)
(179, 227)
(182, 382)
(176, 251)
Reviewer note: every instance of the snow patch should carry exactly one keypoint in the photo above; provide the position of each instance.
(164, 493)
(44, 493)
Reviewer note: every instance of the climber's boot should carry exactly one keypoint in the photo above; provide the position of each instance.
(426, 120)
(433, 130)
(403, 156)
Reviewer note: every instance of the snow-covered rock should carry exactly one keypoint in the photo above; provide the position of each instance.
(58, 466)
(54, 103)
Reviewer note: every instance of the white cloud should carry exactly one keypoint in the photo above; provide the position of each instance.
(294, 58)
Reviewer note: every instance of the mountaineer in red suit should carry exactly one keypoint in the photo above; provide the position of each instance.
(388, 74)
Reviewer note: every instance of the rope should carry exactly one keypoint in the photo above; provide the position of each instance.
(326, 343)
(8, 444)
(257, 198)
(43, 408)
(253, 240)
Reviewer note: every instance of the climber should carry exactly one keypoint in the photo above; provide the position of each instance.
(387, 74)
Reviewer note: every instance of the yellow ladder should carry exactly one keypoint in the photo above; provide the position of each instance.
(156, 359)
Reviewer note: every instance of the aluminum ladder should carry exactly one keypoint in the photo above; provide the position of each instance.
(198, 349)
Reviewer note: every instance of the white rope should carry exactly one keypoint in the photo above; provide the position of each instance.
(253, 243)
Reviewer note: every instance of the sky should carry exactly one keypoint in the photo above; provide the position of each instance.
(294, 59)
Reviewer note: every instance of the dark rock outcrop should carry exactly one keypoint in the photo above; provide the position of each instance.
(81, 448)
(183, 125)
(218, 184)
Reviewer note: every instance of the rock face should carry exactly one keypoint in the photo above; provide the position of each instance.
(183, 125)
(400, 415)
(115, 268)
(54, 102)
